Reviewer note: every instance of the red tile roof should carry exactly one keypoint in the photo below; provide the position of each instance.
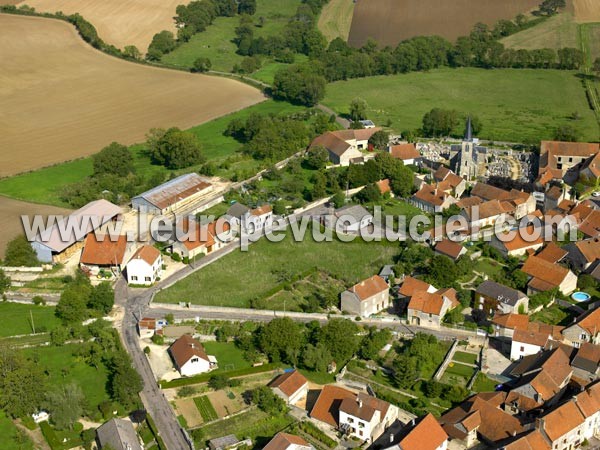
(426, 302)
(369, 287)
(147, 253)
(384, 186)
(562, 420)
(103, 250)
(426, 435)
(412, 285)
(552, 253)
(550, 274)
(282, 441)
(186, 347)
(511, 321)
(327, 406)
(449, 248)
(404, 151)
(289, 383)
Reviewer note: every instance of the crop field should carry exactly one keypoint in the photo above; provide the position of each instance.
(216, 42)
(513, 105)
(391, 21)
(207, 410)
(587, 10)
(336, 19)
(555, 32)
(119, 22)
(10, 217)
(239, 277)
(61, 99)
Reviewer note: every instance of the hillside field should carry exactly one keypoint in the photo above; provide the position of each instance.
(118, 22)
(555, 32)
(391, 21)
(587, 11)
(513, 105)
(336, 18)
(61, 99)
(216, 42)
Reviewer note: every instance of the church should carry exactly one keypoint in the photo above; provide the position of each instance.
(467, 158)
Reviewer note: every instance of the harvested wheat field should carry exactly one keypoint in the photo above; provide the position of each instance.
(391, 21)
(10, 217)
(587, 10)
(118, 22)
(61, 99)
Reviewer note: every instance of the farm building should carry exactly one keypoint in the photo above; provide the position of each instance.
(345, 146)
(103, 252)
(172, 196)
(190, 358)
(65, 237)
(291, 386)
(145, 266)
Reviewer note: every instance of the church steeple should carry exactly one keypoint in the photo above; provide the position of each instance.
(469, 130)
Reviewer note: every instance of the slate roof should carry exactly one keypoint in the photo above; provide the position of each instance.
(118, 434)
(503, 294)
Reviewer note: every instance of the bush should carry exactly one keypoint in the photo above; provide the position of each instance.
(186, 391)
(37, 300)
(158, 339)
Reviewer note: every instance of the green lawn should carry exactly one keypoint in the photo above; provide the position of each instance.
(254, 424)
(459, 369)
(469, 358)
(513, 105)
(554, 32)
(17, 319)
(216, 42)
(240, 276)
(484, 384)
(9, 437)
(336, 18)
(64, 367)
(553, 315)
(207, 410)
(229, 357)
(45, 185)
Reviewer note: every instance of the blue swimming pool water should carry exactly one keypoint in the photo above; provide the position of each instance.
(580, 296)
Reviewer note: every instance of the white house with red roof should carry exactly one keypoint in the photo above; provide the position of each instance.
(145, 266)
(291, 386)
(423, 434)
(190, 358)
(366, 298)
(286, 441)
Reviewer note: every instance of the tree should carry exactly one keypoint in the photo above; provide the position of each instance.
(5, 282)
(20, 253)
(247, 7)
(442, 271)
(163, 42)
(369, 194)
(72, 305)
(340, 338)
(22, 383)
(131, 51)
(439, 122)
(338, 199)
(380, 140)
(551, 7)
(374, 342)
(268, 401)
(299, 84)
(358, 109)
(174, 149)
(65, 405)
(202, 65)
(316, 357)
(281, 340)
(124, 381)
(102, 298)
(115, 159)
(405, 371)
(217, 382)
(316, 158)
(566, 133)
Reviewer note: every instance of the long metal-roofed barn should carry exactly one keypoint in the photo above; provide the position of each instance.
(174, 195)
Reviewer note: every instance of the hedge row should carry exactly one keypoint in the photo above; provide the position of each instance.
(152, 426)
(203, 378)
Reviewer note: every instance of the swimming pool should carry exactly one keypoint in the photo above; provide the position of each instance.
(581, 296)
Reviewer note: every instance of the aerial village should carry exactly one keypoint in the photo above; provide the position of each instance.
(507, 375)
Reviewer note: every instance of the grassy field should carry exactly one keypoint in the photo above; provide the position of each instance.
(9, 439)
(229, 357)
(216, 43)
(513, 105)
(17, 319)
(483, 383)
(469, 358)
(207, 410)
(254, 424)
(336, 18)
(241, 276)
(64, 367)
(553, 315)
(555, 32)
(45, 185)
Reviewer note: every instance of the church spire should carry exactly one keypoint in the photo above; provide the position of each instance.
(469, 130)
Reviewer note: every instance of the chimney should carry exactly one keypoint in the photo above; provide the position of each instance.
(360, 403)
(391, 437)
(412, 422)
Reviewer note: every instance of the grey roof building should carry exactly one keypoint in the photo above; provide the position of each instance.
(237, 210)
(118, 434)
(508, 299)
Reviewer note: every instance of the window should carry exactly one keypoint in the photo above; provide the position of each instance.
(522, 349)
(195, 360)
(350, 420)
(134, 278)
(148, 279)
(360, 433)
(361, 425)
